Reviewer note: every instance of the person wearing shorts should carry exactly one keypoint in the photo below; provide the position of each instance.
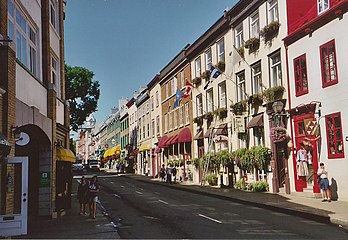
(93, 196)
(324, 183)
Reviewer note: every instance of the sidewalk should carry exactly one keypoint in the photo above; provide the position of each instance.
(72, 225)
(335, 212)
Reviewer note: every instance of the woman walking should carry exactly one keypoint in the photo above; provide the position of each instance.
(82, 195)
(93, 196)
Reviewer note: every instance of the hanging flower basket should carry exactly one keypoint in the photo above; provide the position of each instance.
(278, 134)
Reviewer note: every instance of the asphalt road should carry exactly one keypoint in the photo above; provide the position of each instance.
(143, 210)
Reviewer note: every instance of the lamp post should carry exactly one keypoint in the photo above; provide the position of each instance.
(278, 107)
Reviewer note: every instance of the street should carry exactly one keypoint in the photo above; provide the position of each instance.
(143, 210)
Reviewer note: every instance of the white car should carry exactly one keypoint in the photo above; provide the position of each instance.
(77, 167)
(94, 165)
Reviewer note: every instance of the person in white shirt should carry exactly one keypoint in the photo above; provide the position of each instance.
(302, 159)
(324, 182)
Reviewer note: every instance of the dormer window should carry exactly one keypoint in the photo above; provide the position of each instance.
(323, 5)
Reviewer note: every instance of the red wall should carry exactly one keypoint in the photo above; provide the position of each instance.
(301, 12)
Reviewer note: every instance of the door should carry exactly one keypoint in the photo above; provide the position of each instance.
(14, 217)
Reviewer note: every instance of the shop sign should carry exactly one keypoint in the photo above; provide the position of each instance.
(239, 124)
(221, 139)
(44, 179)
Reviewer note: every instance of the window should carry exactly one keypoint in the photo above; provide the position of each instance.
(323, 5)
(165, 122)
(254, 26)
(175, 113)
(208, 61)
(148, 130)
(53, 14)
(272, 11)
(198, 67)
(55, 75)
(153, 127)
(187, 113)
(157, 99)
(241, 87)
(199, 106)
(222, 95)
(182, 78)
(167, 90)
(300, 71)
(334, 135)
(257, 80)
(239, 37)
(181, 116)
(259, 136)
(152, 103)
(221, 50)
(328, 64)
(170, 120)
(158, 124)
(25, 36)
(275, 70)
(174, 85)
(210, 100)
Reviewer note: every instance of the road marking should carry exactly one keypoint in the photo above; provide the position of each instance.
(149, 217)
(112, 182)
(211, 219)
(117, 195)
(157, 193)
(139, 192)
(122, 186)
(162, 201)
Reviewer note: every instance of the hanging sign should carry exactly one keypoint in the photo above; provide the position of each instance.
(239, 124)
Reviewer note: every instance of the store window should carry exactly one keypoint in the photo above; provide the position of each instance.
(334, 135)
(300, 71)
(323, 5)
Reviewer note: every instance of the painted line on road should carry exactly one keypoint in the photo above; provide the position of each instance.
(118, 196)
(112, 182)
(139, 192)
(157, 193)
(209, 218)
(163, 201)
(122, 186)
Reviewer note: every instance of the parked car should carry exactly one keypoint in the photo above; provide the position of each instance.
(77, 167)
(93, 165)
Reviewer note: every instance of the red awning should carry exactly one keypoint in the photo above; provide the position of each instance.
(173, 140)
(158, 150)
(162, 141)
(166, 143)
(185, 136)
(222, 130)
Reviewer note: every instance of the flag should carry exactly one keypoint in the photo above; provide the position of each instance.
(214, 73)
(179, 95)
(187, 89)
(236, 57)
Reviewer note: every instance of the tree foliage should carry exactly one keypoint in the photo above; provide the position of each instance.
(82, 93)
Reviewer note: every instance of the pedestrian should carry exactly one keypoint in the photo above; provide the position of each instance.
(174, 171)
(302, 159)
(83, 195)
(93, 196)
(162, 173)
(169, 174)
(323, 181)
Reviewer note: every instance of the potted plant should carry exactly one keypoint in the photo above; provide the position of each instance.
(278, 134)
(270, 31)
(221, 113)
(252, 44)
(212, 179)
(206, 75)
(209, 116)
(198, 120)
(197, 81)
(239, 107)
(220, 66)
(241, 51)
(256, 99)
(272, 94)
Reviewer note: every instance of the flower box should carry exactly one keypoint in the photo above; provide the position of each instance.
(252, 44)
(221, 113)
(239, 107)
(270, 31)
(221, 66)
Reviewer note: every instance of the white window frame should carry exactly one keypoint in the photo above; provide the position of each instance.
(158, 124)
(170, 120)
(275, 69)
(152, 104)
(220, 48)
(181, 116)
(166, 122)
(222, 95)
(153, 127)
(157, 99)
(210, 100)
(254, 25)
(239, 36)
(187, 113)
(198, 69)
(272, 11)
(175, 115)
(54, 18)
(323, 5)
(257, 78)
(55, 76)
(199, 105)
(241, 86)
(182, 78)
(208, 59)
(175, 85)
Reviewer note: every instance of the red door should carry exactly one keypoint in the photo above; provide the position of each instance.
(302, 182)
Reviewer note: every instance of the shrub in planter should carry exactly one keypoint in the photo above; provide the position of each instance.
(221, 113)
(256, 99)
(239, 107)
(220, 66)
(198, 120)
(206, 75)
(240, 184)
(260, 186)
(269, 31)
(209, 116)
(272, 94)
(197, 81)
(252, 44)
(212, 179)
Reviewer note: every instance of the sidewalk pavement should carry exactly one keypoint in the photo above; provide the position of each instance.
(335, 212)
(72, 225)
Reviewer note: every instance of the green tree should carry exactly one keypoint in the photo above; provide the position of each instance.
(82, 92)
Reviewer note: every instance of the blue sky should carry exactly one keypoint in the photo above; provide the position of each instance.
(127, 42)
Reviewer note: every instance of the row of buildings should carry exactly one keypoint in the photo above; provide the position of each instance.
(282, 83)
